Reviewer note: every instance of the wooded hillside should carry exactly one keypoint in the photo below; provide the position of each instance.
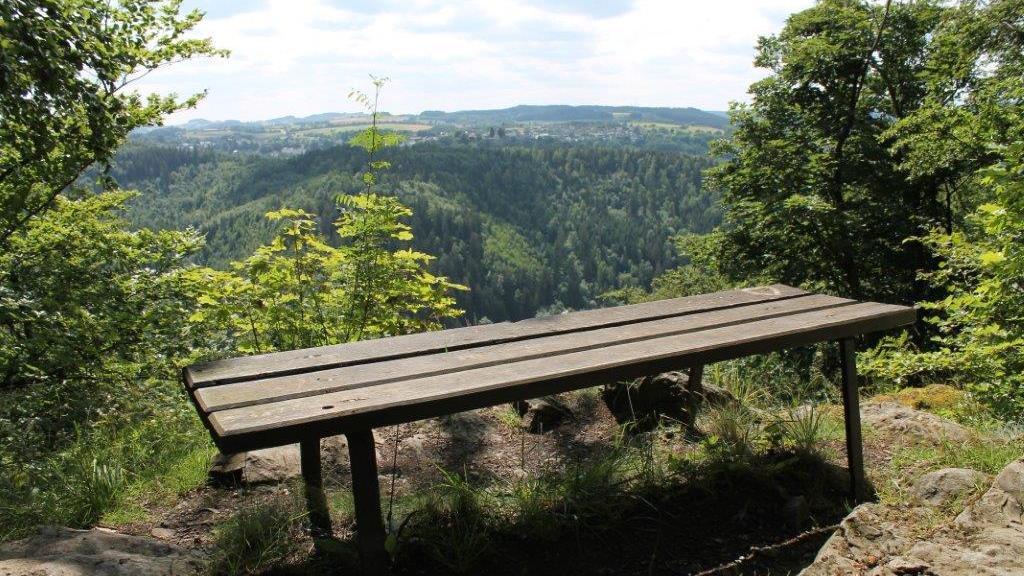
(526, 229)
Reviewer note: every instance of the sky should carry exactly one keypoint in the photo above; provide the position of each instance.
(302, 57)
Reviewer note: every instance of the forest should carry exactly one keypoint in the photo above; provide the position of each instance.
(880, 157)
(528, 229)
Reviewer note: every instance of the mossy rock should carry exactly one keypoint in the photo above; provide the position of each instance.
(940, 398)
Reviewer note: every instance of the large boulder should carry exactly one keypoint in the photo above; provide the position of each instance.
(946, 486)
(985, 539)
(900, 421)
(866, 538)
(96, 552)
(273, 465)
(673, 394)
(541, 415)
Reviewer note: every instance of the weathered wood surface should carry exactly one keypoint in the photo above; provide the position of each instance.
(298, 361)
(287, 421)
(268, 390)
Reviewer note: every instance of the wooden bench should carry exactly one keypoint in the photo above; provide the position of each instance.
(302, 396)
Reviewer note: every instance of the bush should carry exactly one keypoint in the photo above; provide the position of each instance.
(979, 343)
(101, 465)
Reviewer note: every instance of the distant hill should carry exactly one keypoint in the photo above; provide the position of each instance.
(565, 113)
(516, 114)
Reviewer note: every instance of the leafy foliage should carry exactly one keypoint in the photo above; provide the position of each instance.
(64, 104)
(812, 194)
(980, 339)
(94, 320)
(299, 291)
(82, 294)
(976, 96)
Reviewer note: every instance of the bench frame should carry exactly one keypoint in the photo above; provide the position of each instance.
(370, 531)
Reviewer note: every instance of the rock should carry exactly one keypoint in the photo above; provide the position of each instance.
(468, 426)
(670, 394)
(947, 485)
(899, 420)
(415, 445)
(866, 537)
(162, 533)
(716, 396)
(272, 465)
(543, 414)
(986, 539)
(467, 434)
(903, 566)
(68, 552)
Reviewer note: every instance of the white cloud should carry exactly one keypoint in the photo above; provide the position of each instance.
(303, 56)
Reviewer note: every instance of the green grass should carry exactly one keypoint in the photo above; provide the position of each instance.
(510, 418)
(988, 454)
(109, 472)
(263, 533)
(177, 475)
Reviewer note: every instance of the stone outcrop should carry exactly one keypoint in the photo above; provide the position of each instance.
(543, 414)
(96, 552)
(985, 539)
(670, 394)
(898, 420)
(274, 464)
(946, 486)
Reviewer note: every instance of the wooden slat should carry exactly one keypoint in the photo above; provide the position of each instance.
(298, 361)
(264, 391)
(284, 422)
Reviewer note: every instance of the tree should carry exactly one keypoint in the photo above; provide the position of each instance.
(972, 127)
(64, 104)
(299, 291)
(812, 193)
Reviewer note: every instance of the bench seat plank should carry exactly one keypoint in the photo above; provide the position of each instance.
(264, 391)
(337, 412)
(299, 361)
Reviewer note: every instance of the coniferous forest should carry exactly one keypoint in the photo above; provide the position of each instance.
(527, 229)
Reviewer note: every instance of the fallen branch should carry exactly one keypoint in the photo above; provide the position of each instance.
(767, 550)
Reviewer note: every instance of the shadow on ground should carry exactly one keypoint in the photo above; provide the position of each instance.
(697, 518)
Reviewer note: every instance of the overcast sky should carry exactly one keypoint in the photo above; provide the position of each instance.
(303, 57)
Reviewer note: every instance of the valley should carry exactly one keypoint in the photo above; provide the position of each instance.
(535, 211)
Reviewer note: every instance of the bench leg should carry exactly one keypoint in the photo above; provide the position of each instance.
(370, 533)
(694, 396)
(851, 409)
(316, 500)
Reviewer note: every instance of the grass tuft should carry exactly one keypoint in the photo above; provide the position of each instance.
(263, 533)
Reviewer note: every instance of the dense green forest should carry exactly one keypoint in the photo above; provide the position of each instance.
(527, 229)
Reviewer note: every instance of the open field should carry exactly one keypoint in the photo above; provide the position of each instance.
(689, 128)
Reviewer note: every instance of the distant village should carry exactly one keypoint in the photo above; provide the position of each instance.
(284, 140)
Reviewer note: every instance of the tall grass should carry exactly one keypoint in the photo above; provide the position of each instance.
(263, 533)
(111, 469)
